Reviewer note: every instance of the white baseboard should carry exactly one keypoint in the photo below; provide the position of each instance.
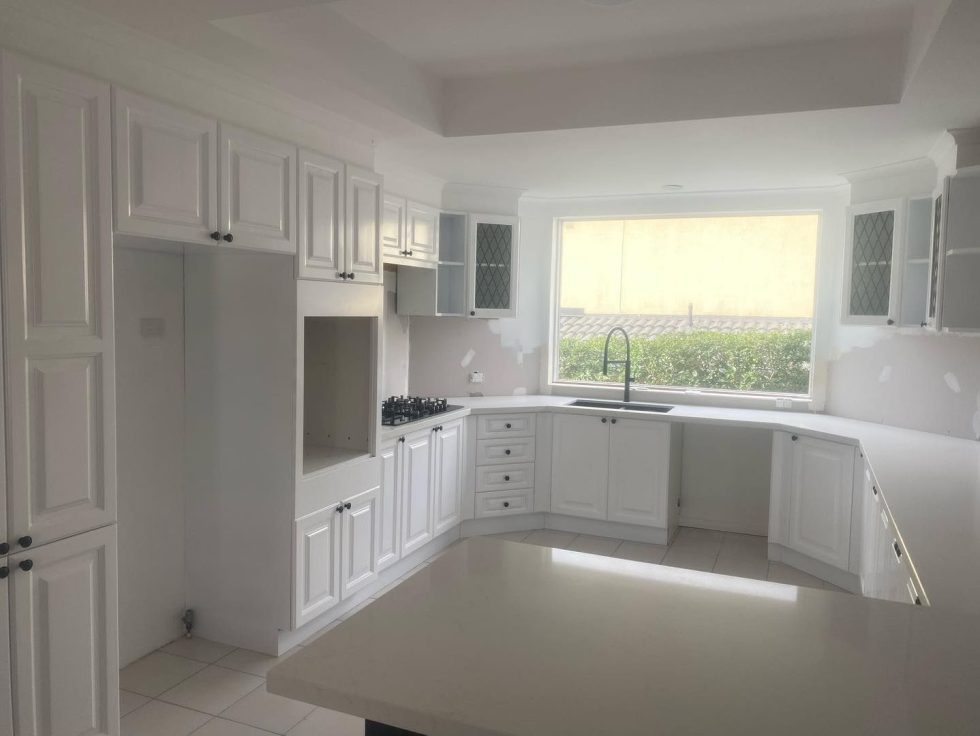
(724, 526)
(602, 528)
(841, 578)
(502, 525)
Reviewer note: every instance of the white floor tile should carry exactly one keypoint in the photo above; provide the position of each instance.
(162, 719)
(212, 689)
(550, 538)
(743, 555)
(755, 569)
(595, 545)
(641, 552)
(780, 573)
(745, 544)
(510, 536)
(691, 535)
(322, 722)
(221, 727)
(128, 702)
(692, 556)
(201, 650)
(243, 660)
(156, 673)
(269, 712)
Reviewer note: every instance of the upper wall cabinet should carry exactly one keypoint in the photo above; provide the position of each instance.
(257, 187)
(166, 170)
(492, 282)
(364, 212)
(393, 227)
(410, 232)
(871, 277)
(956, 306)
(422, 232)
(321, 217)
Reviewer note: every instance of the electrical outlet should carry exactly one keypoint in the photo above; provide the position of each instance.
(476, 377)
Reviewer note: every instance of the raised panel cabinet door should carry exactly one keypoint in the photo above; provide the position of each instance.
(423, 232)
(317, 564)
(393, 225)
(820, 494)
(364, 216)
(416, 497)
(166, 170)
(63, 602)
(580, 465)
(871, 507)
(57, 302)
(257, 191)
(449, 476)
(321, 217)
(359, 542)
(639, 471)
(388, 538)
(492, 266)
(6, 704)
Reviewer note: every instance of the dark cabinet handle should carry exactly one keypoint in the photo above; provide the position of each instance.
(918, 601)
(402, 440)
(506, 504)
(228, 237)
(794, 438)
(506, 477)
(898, 550)
(891, 321)
(604, 420)
(25, 541)
(4, 548)
(351, 275)
(340, 508)
(472, 314)
(4, 572)
(410, 253)
(613, 421)
(507, 452)
(874, 490)
(347, 505)
(507, 425)
(215, 236)
(343, 275)
(26, 565)
(922, 324)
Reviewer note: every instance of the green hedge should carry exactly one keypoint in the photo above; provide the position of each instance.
(776, 362)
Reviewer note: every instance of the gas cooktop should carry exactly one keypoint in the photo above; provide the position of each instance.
(398, 410)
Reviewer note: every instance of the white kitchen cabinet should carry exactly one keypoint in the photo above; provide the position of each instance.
(321, 217)
(257, 191)
(639, 471)
(435, 287)
(871, 507)
(580, 465)
(393, 226)
(364, 214)
(492, 263)
(166, 170)
(63, 604)
(317, 565)
(958, 308)
(448, 475)
(389, 524)
(417, 491)
(359, 550)
(57, 302)
(873, 273)
(810, 505)
(6, 704)
(422, 232)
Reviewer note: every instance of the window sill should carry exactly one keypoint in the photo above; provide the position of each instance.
(703, 397)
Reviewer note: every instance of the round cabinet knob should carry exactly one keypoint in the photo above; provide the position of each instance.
(340, 508)
(874, 490)
(613, 421)
(410, 253)
(215, 236)
(4, 572)
(351, 275)
(343, 275)
(347, 505)
(4, 548)
(472, 314)
(506, 506)
(794, 438)
(507, 452)
(891, 321)
(604, 420)
(25, 541)
(26, 565)
(506, 477)
(507, 425)
(228, 238)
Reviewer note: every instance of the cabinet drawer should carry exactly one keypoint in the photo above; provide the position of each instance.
(504, 477)
(501, 503)
(492, 426)
(507, 450)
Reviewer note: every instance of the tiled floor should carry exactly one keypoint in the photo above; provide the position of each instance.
(194, 686)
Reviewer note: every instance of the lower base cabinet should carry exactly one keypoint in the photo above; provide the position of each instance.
(63, 601)
(580, 465)
(336, 554)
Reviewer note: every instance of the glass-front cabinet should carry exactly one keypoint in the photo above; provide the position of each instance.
(493, 250)
(872, 278)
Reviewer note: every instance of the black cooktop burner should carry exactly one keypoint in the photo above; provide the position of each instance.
(397, 410)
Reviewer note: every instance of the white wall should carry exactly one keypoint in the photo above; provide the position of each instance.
(150, 420)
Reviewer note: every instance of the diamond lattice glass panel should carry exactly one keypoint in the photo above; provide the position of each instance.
(493, 265)
(871, 264)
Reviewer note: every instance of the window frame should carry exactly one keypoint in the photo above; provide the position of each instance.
(680, 394)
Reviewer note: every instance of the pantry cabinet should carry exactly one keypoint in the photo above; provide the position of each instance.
(811, 495)
(257, 208)
(63, 611)
(166, 170)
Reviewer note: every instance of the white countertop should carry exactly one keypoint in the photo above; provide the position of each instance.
(511, 639)
(931, 483)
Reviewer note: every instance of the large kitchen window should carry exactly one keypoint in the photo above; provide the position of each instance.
(720, 303)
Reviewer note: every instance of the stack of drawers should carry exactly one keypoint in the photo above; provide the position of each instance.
(504, 464)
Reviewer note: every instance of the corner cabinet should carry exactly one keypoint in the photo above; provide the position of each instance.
(492, 246)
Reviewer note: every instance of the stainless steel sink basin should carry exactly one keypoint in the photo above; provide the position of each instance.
(621, 405)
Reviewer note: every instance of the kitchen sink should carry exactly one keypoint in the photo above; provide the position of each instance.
(623, 405)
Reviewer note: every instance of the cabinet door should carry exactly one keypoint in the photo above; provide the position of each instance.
(388, 537)
(961, 257)
(423, 232)
(448, 476)
(321, 217)
(64, 637)
(166, 170)
(820, 492)
(317, 565)
(393, 226)
(870, 526)
(6, 704)
(57, 302)
(258, 191)
(416, 499)
(873, 275)
(639, 470)
(492, 283)
(364, 213)
(580, 465)
(359, 548)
